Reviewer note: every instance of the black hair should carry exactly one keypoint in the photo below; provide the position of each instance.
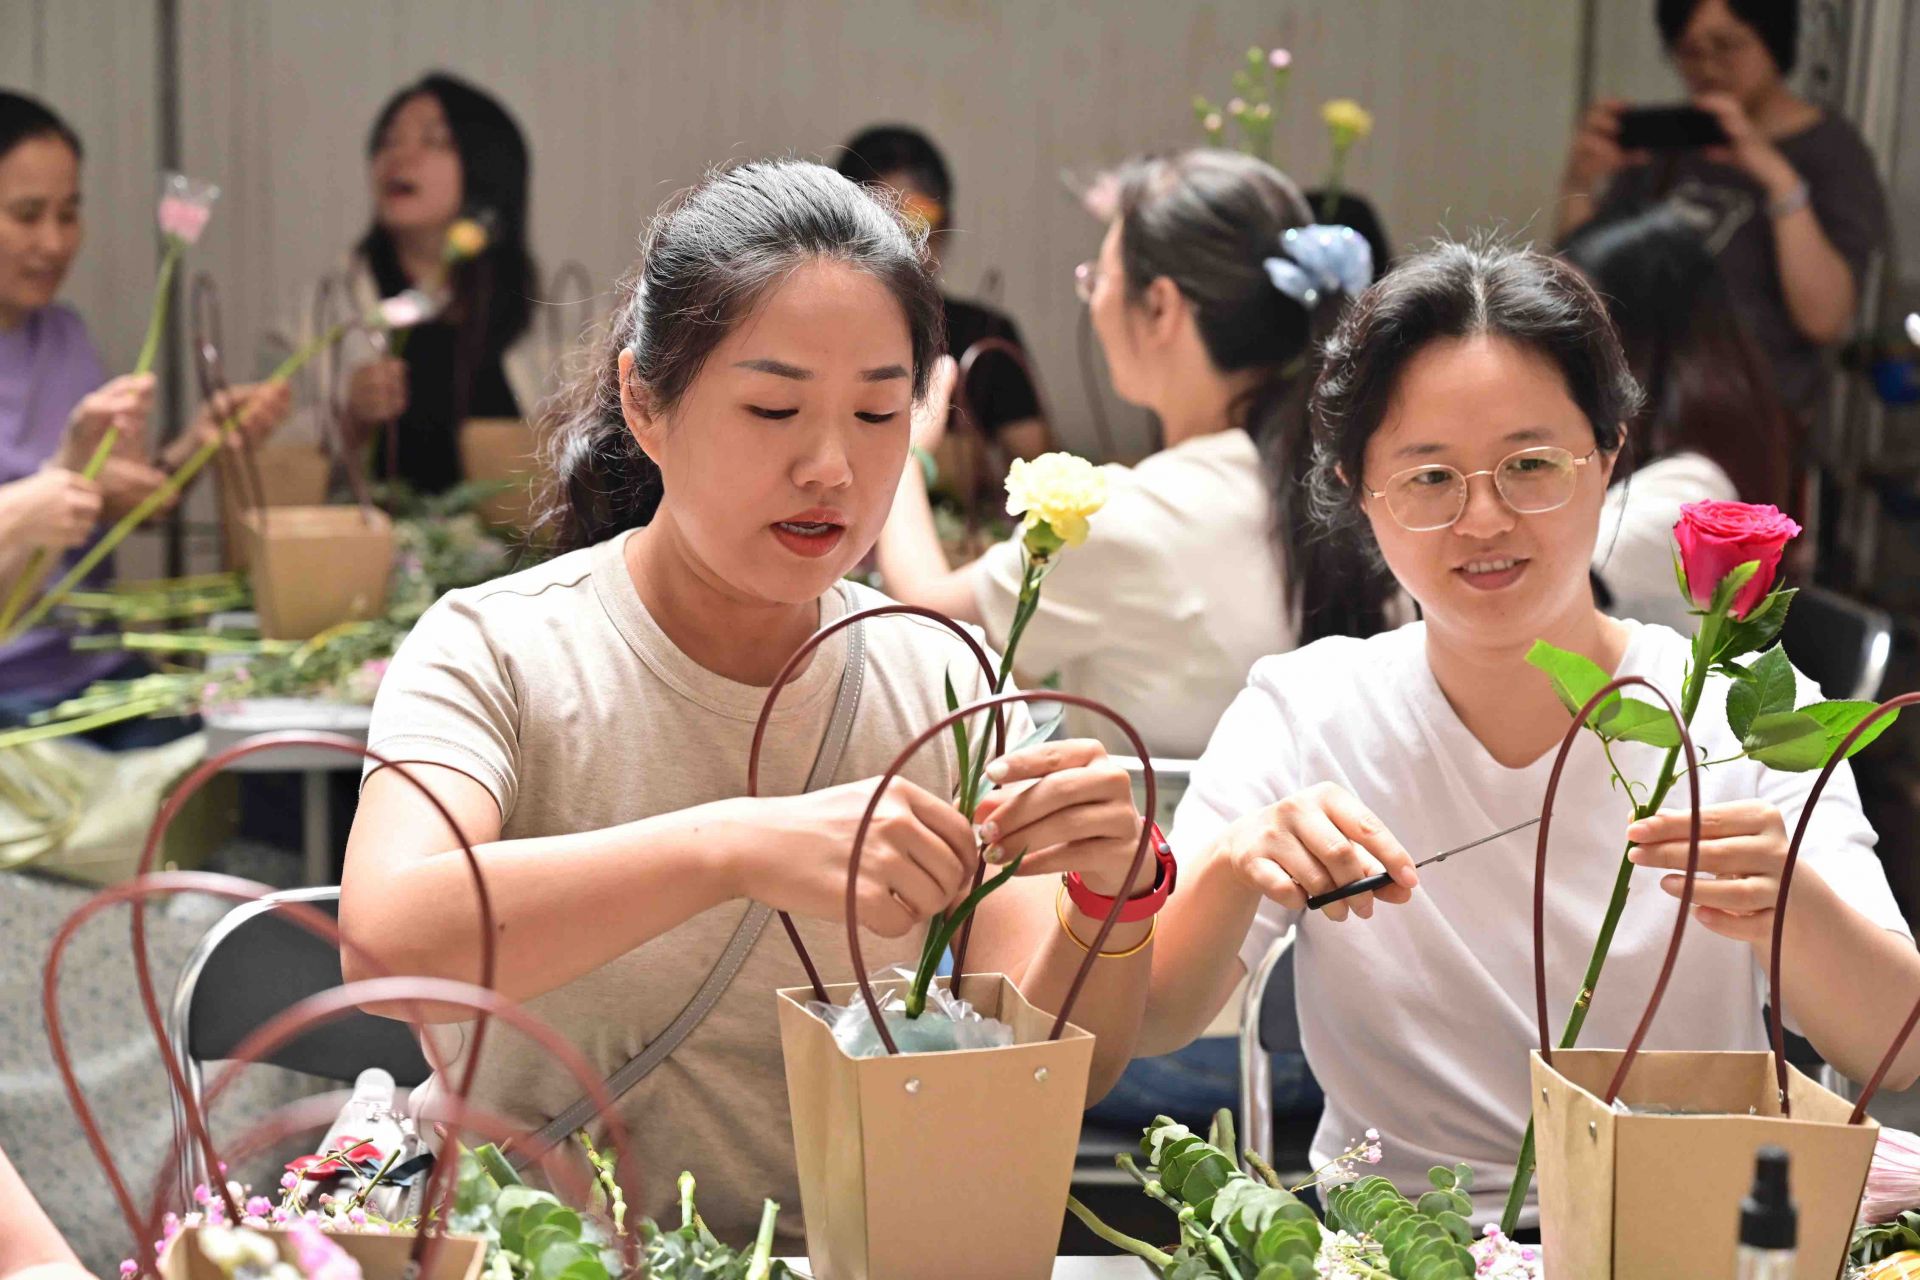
(23, 118)
(1453, 291)
(1707, 386)
(709, 256)
(875, 152)
(1208, 220)
(1776, 22)
(493, 293)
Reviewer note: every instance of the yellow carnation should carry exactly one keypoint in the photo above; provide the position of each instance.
(466, 240)
(1055, 493)
(1348, 120)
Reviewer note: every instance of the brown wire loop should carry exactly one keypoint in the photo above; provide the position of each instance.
(302, 1016)
(788, 673)
(900, 762)
(149, 999)
(1540, 877)
(1775, 1028)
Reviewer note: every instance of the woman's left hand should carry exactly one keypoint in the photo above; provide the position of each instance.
(1746, 147)
(1743, 846)
(259, 406)
(1070, 808)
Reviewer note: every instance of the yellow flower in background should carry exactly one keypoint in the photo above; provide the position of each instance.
(1348, 120)
(923, 212)
(466, 240)
(1054, 493)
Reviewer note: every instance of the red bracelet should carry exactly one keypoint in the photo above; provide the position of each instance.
(1140, 906)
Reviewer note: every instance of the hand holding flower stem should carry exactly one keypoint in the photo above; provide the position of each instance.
(1729, 554)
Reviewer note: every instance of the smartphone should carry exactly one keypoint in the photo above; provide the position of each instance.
(1669, 129)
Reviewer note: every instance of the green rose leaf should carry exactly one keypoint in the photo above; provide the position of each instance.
(1791, 741)
(1839, 718)
(1576, 678)
(1764, 687)
(1636, 721)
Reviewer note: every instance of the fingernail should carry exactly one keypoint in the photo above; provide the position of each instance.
(997, 771)
(989, 831)
(1633, 855)
(996, 855)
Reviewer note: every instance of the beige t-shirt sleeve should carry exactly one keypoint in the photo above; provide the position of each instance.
(1093, 588)
(450, 699)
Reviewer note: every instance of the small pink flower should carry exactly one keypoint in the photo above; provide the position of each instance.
(358, 1217)
(259, 1207)
(128, 1267)
(288, 1181)
(1279, 59)
(185, 207)
(1373, 1135)
(201, 1195)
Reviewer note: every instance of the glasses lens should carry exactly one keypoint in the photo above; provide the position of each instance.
(1424, 498)
(1083, 277)
(1536, 480)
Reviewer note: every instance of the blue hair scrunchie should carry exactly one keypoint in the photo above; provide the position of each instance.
(1318, 259)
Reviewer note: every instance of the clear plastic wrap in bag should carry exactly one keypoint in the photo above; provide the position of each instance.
(946, 1024)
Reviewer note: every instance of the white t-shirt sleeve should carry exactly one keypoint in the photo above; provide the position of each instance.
(448, 699)
(1248, 765)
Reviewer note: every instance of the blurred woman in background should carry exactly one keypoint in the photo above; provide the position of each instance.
(440, 150)
(999, 389)
(1206, 297)
(1712, 427)
(56, 404)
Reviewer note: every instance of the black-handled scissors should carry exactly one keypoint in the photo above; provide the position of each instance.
(1367, 884)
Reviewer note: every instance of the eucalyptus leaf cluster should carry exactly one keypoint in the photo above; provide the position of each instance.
(1237, 1227)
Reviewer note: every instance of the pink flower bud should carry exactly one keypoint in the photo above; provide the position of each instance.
(1279, 59)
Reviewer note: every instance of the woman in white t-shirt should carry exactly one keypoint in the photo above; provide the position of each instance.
(1205, 298)
(1469, 383)
(1712, 429)
(729, 456)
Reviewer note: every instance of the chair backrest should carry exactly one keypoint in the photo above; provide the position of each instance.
(255, 963)
(1841, 643)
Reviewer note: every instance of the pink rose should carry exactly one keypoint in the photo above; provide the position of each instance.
(1717, 537)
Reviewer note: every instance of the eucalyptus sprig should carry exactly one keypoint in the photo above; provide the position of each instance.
(1236, 1227)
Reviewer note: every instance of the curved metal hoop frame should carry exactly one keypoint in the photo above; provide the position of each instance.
(1540, 877)
(788, 673)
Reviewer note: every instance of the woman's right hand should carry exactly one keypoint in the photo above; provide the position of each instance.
(918, 858)
(377, 391)
(1596, 154)
(121, 405)
(56, 508)
(1313, 842)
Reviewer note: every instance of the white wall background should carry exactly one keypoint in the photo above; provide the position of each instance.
(623, 102)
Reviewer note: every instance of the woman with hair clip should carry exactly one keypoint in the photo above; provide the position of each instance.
(728, 456)
(440, 149)
(1712, 428)
(1467, 418)
(1206, 296)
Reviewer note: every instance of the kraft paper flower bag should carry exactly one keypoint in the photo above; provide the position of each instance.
(914, 1164)
(1636, 1150)
(501, 454)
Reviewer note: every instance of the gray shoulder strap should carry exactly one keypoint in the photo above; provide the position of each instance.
(825, 764)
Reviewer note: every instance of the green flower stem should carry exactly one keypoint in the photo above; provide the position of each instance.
(1138, 1248)
(1336, 172)
(66, 728)
(761, 1263)
(1576, 1019)
(938, 940)
(150, 346)
(165, 493)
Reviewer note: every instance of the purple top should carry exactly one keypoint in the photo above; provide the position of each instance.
(46, 366)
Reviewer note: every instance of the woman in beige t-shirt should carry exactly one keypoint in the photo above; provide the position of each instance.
(730, 457)
(1205, 558)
